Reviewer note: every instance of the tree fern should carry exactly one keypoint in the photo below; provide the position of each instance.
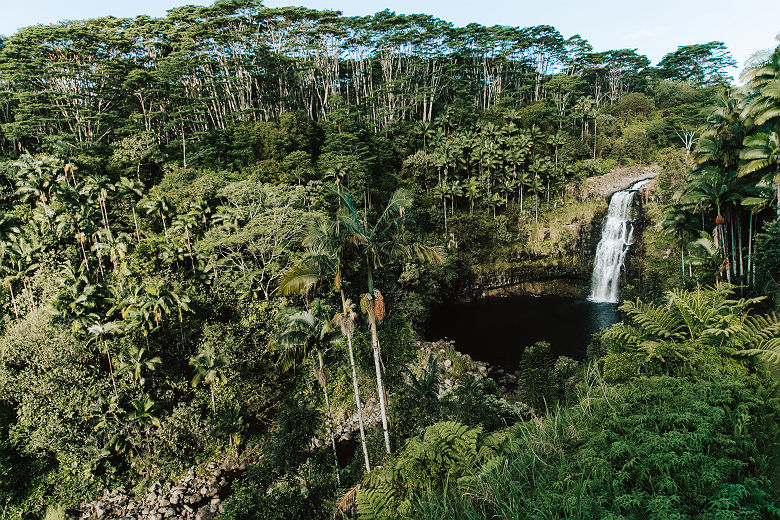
(761, 334)
(446, 453)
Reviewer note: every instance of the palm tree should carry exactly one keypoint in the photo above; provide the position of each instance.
(375, 244)
(471, 190)
(209, 370)
(159, 204)
(135, 360)
(304, 333)
(100, 332)
(678, 222)
(142, 414)
(762, 78)
(761, 154)
(133, 189)
(18, 259)
(324, 260)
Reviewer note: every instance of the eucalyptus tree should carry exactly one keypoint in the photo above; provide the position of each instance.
(698, 64)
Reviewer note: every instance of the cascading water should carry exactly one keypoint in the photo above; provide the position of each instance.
(616, 238)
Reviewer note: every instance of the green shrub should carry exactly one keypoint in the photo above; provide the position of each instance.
(538, 387)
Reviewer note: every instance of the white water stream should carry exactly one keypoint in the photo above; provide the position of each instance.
(616, 239)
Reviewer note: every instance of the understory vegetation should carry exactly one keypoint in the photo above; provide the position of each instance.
(222, 233)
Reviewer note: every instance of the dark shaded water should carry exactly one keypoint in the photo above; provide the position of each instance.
(496, 330)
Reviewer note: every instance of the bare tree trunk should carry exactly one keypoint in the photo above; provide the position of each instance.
(135, 221)
(378, 367)
(330, 416)
(358, 403)
(750, 250)
(13, 299)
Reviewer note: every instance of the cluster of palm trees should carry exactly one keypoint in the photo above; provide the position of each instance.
(735, 179)
(492, 165)
(99, 297)
(350, 244)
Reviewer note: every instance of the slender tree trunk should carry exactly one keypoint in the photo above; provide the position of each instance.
(741, 249)
(377, 359)
(358, 403)
(750, 250)
(13, 300)
(777, 187)
(84, 254)
(135, 221)
(330, 417)
(213, 403)
(110, 367)
(733, 248)
(536, 206)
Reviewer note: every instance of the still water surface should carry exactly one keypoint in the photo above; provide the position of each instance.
(496, 330)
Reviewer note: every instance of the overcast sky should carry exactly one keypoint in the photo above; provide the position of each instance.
(653, 27)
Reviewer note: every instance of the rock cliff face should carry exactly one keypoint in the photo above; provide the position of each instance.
(567, 270)
(564, 272)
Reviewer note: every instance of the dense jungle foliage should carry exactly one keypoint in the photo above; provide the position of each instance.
(222, 232)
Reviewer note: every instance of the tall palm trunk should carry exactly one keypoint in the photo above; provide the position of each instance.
(777, 188)
(377, 358)
(13, 299)
(324, 384)
(348, 333)
(750, 250)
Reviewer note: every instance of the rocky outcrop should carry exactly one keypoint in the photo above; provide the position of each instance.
(193, 497)
(618, 179)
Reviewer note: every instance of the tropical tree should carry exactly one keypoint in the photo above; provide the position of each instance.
(305, 333)
(376, 244)
(761, 154)
(324, 260)
(209, 371)
(135, 361)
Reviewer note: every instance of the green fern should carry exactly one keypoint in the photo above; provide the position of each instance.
(447, 452)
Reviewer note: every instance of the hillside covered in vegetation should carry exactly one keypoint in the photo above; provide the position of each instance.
(222, 233)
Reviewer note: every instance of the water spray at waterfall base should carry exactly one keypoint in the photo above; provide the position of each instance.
(616, 239)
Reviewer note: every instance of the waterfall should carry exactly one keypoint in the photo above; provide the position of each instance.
(616, 239)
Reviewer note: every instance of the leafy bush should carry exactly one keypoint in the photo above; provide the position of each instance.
(537, 380)
(291, 481)
(448, 451)
(657, 448)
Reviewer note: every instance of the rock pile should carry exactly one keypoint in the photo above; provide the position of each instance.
(194, 497)
(371, 417)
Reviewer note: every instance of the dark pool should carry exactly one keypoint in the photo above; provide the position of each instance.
(496, 330)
